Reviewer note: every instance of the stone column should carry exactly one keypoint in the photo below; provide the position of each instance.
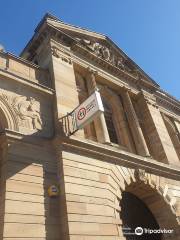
(139, 140)
(160, 142)
(63, 75)
(99, 122)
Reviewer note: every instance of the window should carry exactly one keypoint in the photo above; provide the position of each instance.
(110, 123)
(173, 133)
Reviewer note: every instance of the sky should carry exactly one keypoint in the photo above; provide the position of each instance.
(148, 31)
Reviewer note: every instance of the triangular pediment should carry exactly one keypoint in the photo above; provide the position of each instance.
(102, 46)
(99, 46)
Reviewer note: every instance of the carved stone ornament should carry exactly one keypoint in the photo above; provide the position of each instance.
(149, 98)
(26, 109)
(140, 174)
(107, 54)
(58, 54)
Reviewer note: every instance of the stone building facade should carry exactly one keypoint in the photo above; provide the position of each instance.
(121, 170)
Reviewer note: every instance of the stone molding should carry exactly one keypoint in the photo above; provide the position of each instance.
(167, 102)
(59, 53)
(115, 154)
(135, 175)
(25, 81)
(149, 98)
(106, 53)
(51, 32)
(68, 40)
(150, 181)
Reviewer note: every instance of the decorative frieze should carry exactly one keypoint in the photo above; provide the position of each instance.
(107, 54)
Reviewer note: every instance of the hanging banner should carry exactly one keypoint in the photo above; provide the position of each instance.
(88, 110)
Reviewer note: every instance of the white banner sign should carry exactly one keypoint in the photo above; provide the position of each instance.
(88, 110)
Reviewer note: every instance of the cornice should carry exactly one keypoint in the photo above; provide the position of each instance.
(113, 55)
(58, 50)
(134, 77)
(46, 29)
(117, 156)
(11, 137)
(73, 28)
(51, 31)
(109, 77)
(22, 60)
(168, 102)
(113, 46)
(26, 81)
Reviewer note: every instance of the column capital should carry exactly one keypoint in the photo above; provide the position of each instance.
(149, 98)
(92, 71)
(91, 80)
(126, 89)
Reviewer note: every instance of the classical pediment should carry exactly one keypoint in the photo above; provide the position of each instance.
(99, 46)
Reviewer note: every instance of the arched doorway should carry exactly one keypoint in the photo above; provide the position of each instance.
(142, 206)
(134, 214)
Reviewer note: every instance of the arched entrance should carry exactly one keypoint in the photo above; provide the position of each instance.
(142, 206)
(134, 214)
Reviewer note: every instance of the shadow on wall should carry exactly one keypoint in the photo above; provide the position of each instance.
(29, 165)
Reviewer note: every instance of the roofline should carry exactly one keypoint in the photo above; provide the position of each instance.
(71, 25)
(49, 15)
(135, 64)
(43, 20)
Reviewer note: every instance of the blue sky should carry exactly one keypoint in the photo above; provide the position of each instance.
(147, 30)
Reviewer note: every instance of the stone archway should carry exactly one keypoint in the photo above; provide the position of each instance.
(155, 198)
(8, 118)
(134, 214)
(155, 191)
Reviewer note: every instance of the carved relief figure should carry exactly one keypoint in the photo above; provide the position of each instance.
(106, 54)
(120, 64)
(26, 109)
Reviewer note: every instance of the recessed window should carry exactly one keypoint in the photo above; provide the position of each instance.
(110, 123)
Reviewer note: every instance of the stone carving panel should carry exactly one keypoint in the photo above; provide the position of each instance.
(140, 174)
(107, 54)
(26, 111)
